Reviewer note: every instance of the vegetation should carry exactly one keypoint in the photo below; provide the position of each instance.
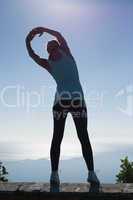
(126, 172)
(3, 173)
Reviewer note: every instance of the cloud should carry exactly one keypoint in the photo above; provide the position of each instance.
(26, 150)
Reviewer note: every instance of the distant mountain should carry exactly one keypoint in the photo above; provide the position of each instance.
(71, 170)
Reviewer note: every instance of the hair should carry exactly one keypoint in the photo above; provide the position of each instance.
(51, 44)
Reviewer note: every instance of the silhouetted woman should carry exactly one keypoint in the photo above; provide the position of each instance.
(69, 97)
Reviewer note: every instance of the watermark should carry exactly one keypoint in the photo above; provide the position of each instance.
(126, 93)
(22, 97)
(19, 97)
(60, 115)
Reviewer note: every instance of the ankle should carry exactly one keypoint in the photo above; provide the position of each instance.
(55, 172)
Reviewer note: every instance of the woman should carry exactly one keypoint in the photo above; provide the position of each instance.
(69, 98)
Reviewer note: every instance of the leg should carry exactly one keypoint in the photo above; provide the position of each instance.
(80, 120)
(59, 124)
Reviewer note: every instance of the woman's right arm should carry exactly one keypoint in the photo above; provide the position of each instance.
(41, 61)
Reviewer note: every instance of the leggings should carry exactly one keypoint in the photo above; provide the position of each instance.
(79, 113)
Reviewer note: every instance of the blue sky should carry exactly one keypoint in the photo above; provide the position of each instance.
(99, 34)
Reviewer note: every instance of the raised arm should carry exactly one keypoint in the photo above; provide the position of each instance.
(59, 37)
(41, 61)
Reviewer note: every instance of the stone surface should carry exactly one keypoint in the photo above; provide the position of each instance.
(10, 187)
(65, 187)
(71, 191)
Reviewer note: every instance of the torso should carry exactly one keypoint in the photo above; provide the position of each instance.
(64, 71)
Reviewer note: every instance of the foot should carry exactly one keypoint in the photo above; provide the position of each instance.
(92, 177)
(54, 178)
(94, 182)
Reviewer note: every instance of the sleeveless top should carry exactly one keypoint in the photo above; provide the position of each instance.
(65, 73)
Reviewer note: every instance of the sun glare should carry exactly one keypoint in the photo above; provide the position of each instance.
(66, 8)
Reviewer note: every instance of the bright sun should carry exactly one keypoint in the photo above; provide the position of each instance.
(63, 7)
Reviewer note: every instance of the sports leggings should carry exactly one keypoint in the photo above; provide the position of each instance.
(79, 113)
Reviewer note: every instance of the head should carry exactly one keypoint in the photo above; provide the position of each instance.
(52, 45)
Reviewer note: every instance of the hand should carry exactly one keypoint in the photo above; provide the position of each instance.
(32, 34)
(38, 30)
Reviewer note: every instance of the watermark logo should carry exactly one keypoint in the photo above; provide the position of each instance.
(127, 94)
(19, 97)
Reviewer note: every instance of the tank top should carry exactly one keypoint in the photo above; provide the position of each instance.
(65, 73)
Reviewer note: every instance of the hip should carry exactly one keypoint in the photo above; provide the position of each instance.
(70, 104)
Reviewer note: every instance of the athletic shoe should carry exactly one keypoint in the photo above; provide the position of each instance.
(92, 177)
(54, 178)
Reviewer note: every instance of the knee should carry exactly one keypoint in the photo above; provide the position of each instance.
(84, 138)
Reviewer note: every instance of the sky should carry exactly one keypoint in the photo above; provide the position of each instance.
(99, 34)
